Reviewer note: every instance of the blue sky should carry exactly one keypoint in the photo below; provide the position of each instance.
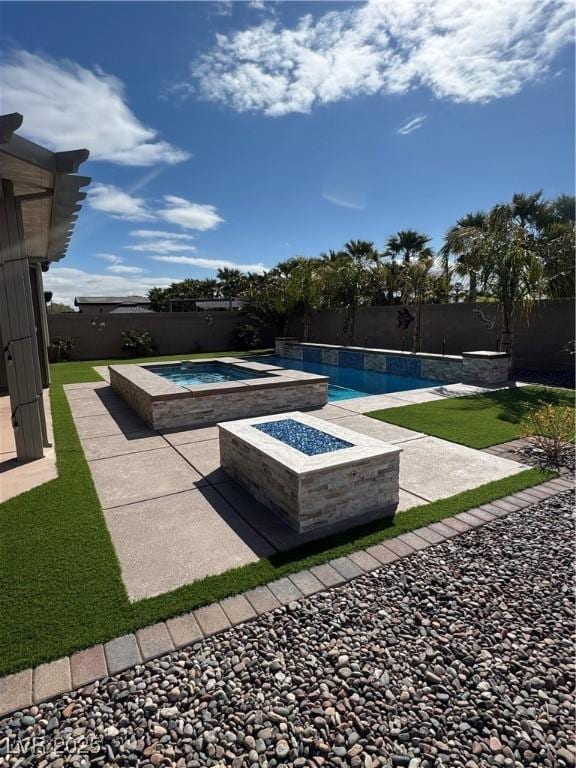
(248, 132)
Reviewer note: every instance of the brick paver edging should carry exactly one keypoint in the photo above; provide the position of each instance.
(33, 686)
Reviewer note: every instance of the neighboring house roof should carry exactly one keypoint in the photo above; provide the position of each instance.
(120, 300)
(131, 310)
(217, 303)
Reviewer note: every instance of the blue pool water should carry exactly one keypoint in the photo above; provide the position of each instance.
(302, 437)
(203, 373)
(348, 382)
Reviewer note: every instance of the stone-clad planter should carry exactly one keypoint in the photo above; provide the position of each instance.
(328, 491)
(484, 367)
(163, 404)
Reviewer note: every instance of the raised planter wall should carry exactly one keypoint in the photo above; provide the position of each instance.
(475, 367)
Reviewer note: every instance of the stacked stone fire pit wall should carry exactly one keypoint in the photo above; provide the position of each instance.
(326, 492)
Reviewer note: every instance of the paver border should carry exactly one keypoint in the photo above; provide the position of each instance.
(47, 681)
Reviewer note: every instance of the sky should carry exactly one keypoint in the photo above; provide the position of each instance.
(243, 133)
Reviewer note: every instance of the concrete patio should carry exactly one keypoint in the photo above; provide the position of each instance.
(174, 515)
(16, 477)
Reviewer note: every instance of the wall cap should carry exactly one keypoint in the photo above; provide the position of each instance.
(486, 354)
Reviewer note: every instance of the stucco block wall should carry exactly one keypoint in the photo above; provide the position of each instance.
(540, 340)
(175, 333)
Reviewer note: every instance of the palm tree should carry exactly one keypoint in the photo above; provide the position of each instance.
(516, 269)
(345, 281)
(232, 282)
(409, 244)
(303, 288)
(466, 240)
(363, 251)
(385, 283)
(530, 211)
(417, 286)
(557, 245)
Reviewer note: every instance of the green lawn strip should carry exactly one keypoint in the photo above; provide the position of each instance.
(477, 421)
(60, 583)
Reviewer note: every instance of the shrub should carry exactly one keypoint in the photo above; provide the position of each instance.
(60, 349)
(549, 427)
(246, 336)
(136, 343)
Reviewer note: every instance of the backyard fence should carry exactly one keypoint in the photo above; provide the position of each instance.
(100, 336)
(541, 340)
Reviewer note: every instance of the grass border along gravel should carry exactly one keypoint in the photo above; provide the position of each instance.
(60, 583)
(477, 421)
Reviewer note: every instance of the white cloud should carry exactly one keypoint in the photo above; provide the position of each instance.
(117, 266)
(161, 246)
(111, 258)
(177, 210)
(463, 50)
(66, 106)
(189, 215)
(160, 233)
(124, 269)
(412, 125)
(68, 282)
(214, 264)
(117, 203)
(342, 202)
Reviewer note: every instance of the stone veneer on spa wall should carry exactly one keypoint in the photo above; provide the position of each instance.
(353, 480)
(163, 404)
(481, 367)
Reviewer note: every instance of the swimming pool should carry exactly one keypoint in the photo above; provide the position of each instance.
(348, 383)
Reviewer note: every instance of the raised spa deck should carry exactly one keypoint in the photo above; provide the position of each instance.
(163, 404)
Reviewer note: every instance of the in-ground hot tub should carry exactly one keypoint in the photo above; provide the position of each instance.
(315, 474)
(189, 393)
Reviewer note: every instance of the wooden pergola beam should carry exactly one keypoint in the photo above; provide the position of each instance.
(39, 203)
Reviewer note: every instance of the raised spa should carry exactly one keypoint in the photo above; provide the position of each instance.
(189, 393)
(315, 474)
(190, 374)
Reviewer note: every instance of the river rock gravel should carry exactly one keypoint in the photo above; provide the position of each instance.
(460, 655)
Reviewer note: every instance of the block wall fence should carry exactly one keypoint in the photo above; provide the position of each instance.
(175, 333)
(540, 340)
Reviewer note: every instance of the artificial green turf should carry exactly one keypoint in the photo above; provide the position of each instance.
(60, 583)
(478, 421)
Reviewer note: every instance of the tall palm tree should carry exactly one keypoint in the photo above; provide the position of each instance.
(417, 285)
(516, 269)
(466, 240)
(304, 289)
(345, 281)
(408, 244)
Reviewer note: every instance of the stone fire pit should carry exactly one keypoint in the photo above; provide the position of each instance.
(313, 473)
